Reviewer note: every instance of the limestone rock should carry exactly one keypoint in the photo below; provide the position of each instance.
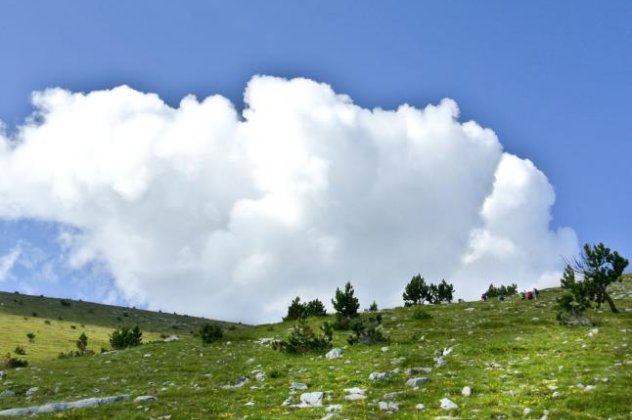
(415, 382)
(311, 399)
(447, 404)
(334, 353)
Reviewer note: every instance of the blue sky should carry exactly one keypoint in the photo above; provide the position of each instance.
(552, 79)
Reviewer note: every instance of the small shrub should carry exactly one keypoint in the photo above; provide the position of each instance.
(47, 322)
(73, 327)
(420, 314)
(34, 314)
(30, 336)
(367, 332)
(125, 337)
(303, 339)
(65, 303)
(211, 333)
(12, 362)
(373, 307)
(82, 343)
(19, 350)
(275, 373)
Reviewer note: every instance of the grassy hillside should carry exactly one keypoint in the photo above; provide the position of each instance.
(516, 358)
(57, 323)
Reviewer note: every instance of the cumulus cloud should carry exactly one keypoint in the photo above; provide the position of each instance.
(205, 210)
(7, 262)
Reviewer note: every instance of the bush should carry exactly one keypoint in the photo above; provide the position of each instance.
(30, 336)
(19, 350)
(82, 343)
(373, 307)
(211, 333)
(367, 331)
(12, 362)
(125, 337)
(303, 339)
(65, 303)
(421, 314)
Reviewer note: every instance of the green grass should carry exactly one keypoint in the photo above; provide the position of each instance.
(511, 353)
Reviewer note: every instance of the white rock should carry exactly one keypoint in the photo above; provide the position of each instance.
(552, 387)
(466, 391)
(311, 399)
(556, 394)
(250, 404)
(415, 382)
(354, 397)
(147, 355)
(388, 406)
(385, 349)
(590, 387)
(446, 404)
(260, 376)
(2, 374)
(145, 398)
(439, 361)
(355, 390)
(469, 309)
(334, 353)
(526, 411)
(31, 391)
(420, 406)
(297, 386)
(7, 394)
(378, 376)
(171, 338)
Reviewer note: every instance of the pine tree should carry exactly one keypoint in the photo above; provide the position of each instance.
(346, 306)
(416, 291)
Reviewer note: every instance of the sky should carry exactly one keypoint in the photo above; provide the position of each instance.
(220, 158)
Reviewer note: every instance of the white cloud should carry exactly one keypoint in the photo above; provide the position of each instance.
(7, 262)
(201, 210)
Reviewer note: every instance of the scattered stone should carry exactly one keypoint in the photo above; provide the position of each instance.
(250, 404)
(378, 376)
(469, 309)
(590, 387)
(439, 361)
(144, 398)
(556, 394)
(260, 376)
(241, 381)
(388, 406)
(593, 332)
(171, 338)
(552, 387)
(526, 411)
(466, 391)
(311, 399)
(61, 406)
(446, 404)
(334, 353)
(420, 406)
(7, 394)
(2, 374)
(147, 355)
(250, 361)
(385, 349)
(31, 391)
(398, 360)
(297, 386)
(417, 370)
(354, 394)
(416, 382)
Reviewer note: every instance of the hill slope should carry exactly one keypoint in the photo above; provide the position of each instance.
(515, 357)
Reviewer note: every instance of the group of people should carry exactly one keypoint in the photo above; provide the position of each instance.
(528, 295)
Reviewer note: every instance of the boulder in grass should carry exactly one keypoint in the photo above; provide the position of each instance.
(447, 404)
